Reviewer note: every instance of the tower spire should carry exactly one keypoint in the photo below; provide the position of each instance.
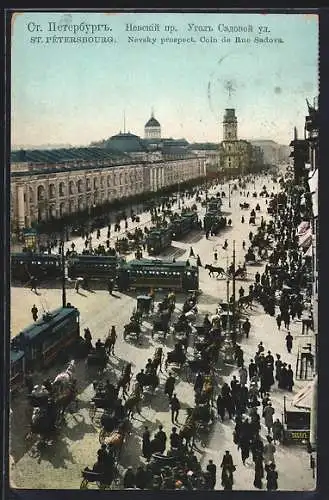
(152, 112)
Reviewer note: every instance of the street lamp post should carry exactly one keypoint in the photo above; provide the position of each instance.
(229, 195)
(233, 291)
(63, 274)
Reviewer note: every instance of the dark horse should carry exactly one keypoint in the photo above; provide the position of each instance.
(213, 269)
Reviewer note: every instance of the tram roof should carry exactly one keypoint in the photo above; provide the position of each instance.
(158, 263)
(24, 255)
(44, 323)
(15, 354)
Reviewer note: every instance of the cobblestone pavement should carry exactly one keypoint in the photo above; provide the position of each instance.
(60, 465)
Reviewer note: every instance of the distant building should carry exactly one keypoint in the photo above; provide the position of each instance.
(235, 154)
(152, 129)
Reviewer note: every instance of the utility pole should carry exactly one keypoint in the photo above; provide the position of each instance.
(228, 298)
(63, 274)
(233, 290)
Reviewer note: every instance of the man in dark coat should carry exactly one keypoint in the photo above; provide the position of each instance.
(290, 378)
(146, 447)
(246, 327)
(169, 386)
(289, 339)
(221, 407)
(161, 437)
(212, 469)
(252, 369)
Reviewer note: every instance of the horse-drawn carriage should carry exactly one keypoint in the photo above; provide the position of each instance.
(145, 304)
(250, 257)
(161, 324)
(49, 403)
(176, 358)
(244, 206)
(103, 474)
(105, 399)
(132, 330)
(98, 357)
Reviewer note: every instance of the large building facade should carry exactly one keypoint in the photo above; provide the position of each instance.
(40, 194)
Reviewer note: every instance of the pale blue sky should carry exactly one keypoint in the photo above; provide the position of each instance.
(77, 93)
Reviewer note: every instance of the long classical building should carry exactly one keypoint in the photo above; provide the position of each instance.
(41, 191)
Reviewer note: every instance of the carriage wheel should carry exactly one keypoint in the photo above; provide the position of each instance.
(84, 484)
(102, 436)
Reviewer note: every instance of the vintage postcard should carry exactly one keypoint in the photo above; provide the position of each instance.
(164, 232)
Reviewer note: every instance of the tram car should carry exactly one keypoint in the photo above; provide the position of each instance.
(146, 273)
(213, 220)
(158, 240)
(17, 369)
(40, 344)
(183, 224)
(41, 266)
(93, 266)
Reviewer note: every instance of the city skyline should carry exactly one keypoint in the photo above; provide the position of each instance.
(78, 94)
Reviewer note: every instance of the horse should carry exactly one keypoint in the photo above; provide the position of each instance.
(245, 302)
(64, 378)
(132, 404)
(208, 388)
(213, 269)
(157, 359)
(124, 380)
(189, 431)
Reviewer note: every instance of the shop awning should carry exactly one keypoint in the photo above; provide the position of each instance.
(305, 240)
(308, 252)
(313, 181)
(303, 227)
(303, 399)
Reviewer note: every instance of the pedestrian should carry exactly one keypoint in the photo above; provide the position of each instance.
(146, 446)
(272, 478)
(277, 429)
(279, 321)
(191, 253)
(290, 378)
(220, 402)
(243, 374)
(175, 439)
(259, 472)
(110, 286)
(113, 339)
(169, 385)
(245, 440)
(227, 466)
(198, 261)
(77, 285)
(129, 478)
(225, 245)
(29, 382)
(289, 339)
(33, 284)
(269, 450)
(243, 245)
(268, 413)
(175, 407)
(278, 367)
(260, 347)
(242, 220)
(246, 327)
(34, 312)
(212, 469)
(215, 255)
(161, 437)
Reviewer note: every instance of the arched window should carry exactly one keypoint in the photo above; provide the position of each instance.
(108, 180)
(95, 183)
(88, 184)
(71, 187)
(31, 195)
(80, 186)
(41, 193)
(61, 189)
(61, 209)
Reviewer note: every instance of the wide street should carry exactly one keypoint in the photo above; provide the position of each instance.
(60, 466)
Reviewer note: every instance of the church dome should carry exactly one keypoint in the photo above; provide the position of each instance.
(153, 122)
